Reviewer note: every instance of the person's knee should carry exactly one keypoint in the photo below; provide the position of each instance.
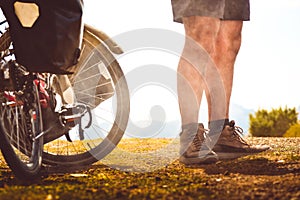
(233, 43)
(201, 30)
(230, 35)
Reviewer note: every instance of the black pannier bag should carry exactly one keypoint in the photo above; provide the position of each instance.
(49, 39)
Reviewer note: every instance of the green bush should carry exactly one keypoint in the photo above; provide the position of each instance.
(293, 131)
(272, 123)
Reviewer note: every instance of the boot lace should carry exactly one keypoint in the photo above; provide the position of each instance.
(200, 138)
(238, 134)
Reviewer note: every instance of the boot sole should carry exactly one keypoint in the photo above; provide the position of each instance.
(234, 155)
(198, 160)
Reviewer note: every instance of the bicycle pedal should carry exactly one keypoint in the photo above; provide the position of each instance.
(70, 115)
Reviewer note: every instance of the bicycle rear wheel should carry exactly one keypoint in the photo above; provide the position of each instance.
(20, 123)
(98, 82)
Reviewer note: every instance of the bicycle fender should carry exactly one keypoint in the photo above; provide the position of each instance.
(112, 45)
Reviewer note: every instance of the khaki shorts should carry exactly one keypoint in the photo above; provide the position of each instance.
(222, 9)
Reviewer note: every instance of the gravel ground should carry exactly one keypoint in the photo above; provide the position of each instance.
(274, 174)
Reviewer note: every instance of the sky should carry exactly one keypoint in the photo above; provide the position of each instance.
(267, 69)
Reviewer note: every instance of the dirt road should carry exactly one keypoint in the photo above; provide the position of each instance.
(274, 174)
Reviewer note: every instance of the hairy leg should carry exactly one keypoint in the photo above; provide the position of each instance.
(200, 39)
(227, 45)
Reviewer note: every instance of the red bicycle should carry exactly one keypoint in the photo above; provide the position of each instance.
(37, 125)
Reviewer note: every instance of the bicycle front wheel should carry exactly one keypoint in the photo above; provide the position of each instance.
(99, 83)
(20, 123)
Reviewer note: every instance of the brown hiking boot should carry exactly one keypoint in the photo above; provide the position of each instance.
(231, 144)
(194, 149)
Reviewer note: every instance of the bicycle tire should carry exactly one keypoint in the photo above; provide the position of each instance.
(22, 153)
(90, 150)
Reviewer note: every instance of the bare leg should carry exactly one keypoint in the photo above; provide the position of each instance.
(227, 45)
(203, 31)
